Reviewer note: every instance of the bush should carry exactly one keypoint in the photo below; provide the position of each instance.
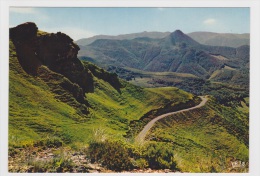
(111, 154)
(118, 156)
(160, 156)
(141, 163)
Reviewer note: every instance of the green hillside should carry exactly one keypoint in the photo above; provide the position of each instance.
(208, 139)
(206, 38)
(175, 60)
(36, 111)
(68, 115)
(87, 41)
(177, 52)
(231, 93)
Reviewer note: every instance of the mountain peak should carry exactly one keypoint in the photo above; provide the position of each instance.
(178, 32)
(179, 37)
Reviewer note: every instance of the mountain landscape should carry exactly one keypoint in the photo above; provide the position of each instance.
(87, 41)
(176, 53)
(81, 108)
(207, 38)
(221, 39)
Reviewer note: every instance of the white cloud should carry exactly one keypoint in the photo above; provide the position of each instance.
(23, 10)
(209, 21)
(74, 33)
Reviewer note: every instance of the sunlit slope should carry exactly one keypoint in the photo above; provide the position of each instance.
(208, 139)
(40, 108)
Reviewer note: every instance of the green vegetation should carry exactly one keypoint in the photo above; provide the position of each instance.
(66, 115)
(113, 155)
(160, 155)
(119, 156)
(46, 155)
(229, 94)
(36, 111)
(42, 33)
(176, 61)
(244, 108)
(176, 52)
(208, 139)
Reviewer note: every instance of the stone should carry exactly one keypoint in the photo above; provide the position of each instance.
(23, 31)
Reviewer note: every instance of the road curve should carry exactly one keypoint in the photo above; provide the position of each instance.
(141, 135)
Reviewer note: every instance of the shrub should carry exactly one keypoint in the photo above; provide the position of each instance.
(111, 154)
(141, 163)
(160, 156)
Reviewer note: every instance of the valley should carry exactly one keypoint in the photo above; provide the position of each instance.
(92, 101)
(175, 60)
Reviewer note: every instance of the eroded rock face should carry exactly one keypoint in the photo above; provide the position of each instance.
(58, 53)
(23, 31)
(24, 39)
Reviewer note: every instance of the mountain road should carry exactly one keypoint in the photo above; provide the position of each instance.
(142, 134)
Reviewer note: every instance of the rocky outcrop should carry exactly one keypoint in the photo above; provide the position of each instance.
(58, 53)
(24, 31)
(53, 58)
(25, 41)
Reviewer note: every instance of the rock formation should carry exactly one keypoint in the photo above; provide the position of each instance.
(53, 57)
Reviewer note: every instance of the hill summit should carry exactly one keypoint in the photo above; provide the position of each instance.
(179, 37)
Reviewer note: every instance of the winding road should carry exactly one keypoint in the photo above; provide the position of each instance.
(141, 136)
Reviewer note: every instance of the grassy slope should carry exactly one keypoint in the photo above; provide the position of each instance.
(115, 110)
(35, 113)
(244, 108)
(145, 78)
(231, 93)
(206, 139)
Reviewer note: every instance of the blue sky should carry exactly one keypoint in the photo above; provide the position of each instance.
(86, 22)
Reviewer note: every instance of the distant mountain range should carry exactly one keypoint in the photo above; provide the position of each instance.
(87, 41)
(175, 60)
(177, 52)
(221, 39)
(207, 38)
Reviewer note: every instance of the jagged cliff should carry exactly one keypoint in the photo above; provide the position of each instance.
(53, 58)
(57, 51)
